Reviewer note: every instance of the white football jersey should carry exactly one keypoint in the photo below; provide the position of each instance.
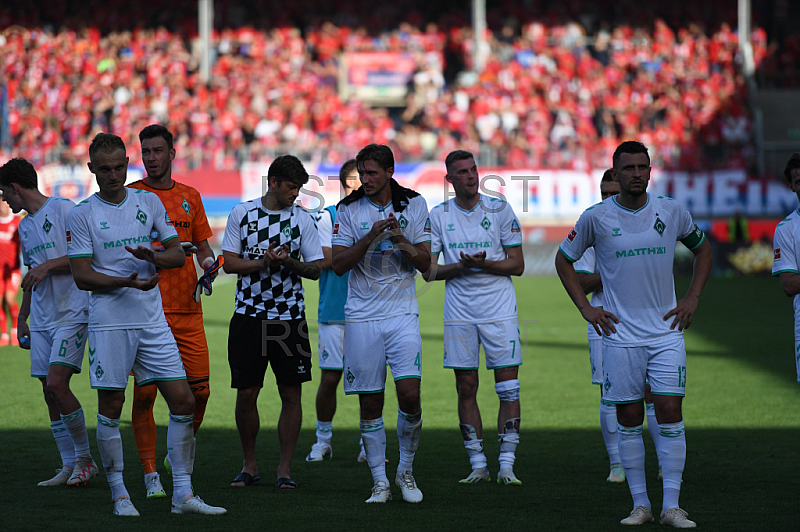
(787, 254)
(476, 296)
(587, 264)
(101, 230)
(381, 284)
(57, 301)
(634, 252)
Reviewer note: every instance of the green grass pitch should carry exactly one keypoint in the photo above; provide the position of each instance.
(741, 414)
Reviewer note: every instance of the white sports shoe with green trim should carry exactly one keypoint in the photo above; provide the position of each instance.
(319, 451)
(154, 488)
(478, 475)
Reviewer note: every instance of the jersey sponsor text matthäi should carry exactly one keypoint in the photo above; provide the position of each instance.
(57, 301)
(381, 284)
(634, 254)
(101, 230)
(491, 226)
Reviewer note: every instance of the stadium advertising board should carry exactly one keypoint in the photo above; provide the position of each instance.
(380, 78)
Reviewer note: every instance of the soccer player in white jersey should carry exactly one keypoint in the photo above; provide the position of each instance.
(634, 237)
(786, 263)
(382, 237)
(264, 240)
(108, 241)
(481, 240)
(332, 297)
(59, 313)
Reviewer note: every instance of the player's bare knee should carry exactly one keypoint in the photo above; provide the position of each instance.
(507, 390)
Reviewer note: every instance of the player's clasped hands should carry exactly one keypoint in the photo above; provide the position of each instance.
(473, 261)
(602, 320)
(275, 255)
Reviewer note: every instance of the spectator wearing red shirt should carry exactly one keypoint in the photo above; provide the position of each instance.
(10, 278)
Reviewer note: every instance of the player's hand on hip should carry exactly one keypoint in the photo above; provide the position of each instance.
(142, 253)
(144, 285)
(683, 313)
(602, 320)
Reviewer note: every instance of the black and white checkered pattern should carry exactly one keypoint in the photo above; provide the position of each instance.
(258, 294)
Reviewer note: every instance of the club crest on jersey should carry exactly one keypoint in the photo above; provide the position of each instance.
(659, 226)
(350, 377)
(403, 223)
(287, 231)
(572, 234)
(47, 225)
(777, 254)
(485, 223)
(141, 216)
(515, 228)
(186, 206)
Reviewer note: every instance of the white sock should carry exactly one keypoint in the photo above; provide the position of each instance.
(474, 446)
(149, 476)
(631, 452)
(508, 444)
(180, 449)
(373, 435)
(652, 427)
(66, 447)
(109, 442)
(409, 427)
(324, 432)
(608, 426)
(673, 460)
(76, 424)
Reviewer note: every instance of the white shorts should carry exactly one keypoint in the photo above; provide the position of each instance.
(62, 345)
(151, 354)
(596, 359)
(500, 340)
(371, 345)
(627, 369)
(331, 346)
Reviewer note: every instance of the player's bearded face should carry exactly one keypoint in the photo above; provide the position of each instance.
(633, 173)
(374, 179)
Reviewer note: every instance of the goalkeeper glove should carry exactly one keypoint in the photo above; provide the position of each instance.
(204, 283)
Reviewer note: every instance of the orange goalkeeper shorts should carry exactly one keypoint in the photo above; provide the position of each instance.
(190, 336)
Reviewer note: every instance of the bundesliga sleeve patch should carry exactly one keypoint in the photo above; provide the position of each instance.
(69, 238)
(335, 229)
(427, 228)
(777, 254)
(515, 228)
(571, 236)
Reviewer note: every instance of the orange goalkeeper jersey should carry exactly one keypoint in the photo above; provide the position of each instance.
(185, 209)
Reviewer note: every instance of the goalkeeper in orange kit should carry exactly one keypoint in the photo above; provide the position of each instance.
(178, 286)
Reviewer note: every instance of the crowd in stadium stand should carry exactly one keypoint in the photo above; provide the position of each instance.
(550, 95)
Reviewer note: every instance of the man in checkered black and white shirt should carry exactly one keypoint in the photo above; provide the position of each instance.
(264, 241)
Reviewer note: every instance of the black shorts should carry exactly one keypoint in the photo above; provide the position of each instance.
(254, 342)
